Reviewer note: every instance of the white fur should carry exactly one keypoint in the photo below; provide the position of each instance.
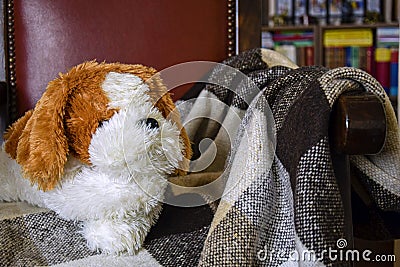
(117, 198)
(122, 87)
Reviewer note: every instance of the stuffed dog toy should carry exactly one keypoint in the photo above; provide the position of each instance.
(97, 148)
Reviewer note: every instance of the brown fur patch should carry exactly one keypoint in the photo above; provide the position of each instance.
(69, 112)
(14, 132)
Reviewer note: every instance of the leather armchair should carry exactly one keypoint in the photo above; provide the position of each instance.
(45, 37)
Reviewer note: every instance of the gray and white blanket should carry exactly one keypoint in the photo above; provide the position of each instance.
(273, 197)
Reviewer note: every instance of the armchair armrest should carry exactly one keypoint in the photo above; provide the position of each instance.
(358, 127)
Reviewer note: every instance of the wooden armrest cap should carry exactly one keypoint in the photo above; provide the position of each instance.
(358, 124)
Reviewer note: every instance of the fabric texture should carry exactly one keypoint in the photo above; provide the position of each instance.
(279, 193)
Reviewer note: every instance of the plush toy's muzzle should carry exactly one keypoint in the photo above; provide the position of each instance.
(136, 141)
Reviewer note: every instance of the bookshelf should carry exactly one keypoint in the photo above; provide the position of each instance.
(356, 45)
(319, 30)
(314, 39)
(256, 18)
(373, 27)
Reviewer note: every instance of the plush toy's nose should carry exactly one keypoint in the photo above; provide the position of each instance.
(152, 123)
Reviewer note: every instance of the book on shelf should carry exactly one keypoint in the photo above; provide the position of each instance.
(301, 55)
(387, 42)
(356, 57)
(284, 7)
(266, 40)
(370, 62)
(293, 35)
(334, 57)
(309, 56)
(333, 12)
(374, 6)
(335, 8)
(287, 50)
(305, 56)
(394, 72)
(349, 47)
(348, 37)
(318, 9)
(382, 63)
(358, 8)
(355, 48)
(387, 36)
(352, 55)
(387, 71)
(300, 10)
(297, 45)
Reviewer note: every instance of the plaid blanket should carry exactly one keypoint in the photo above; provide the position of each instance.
(275, 194)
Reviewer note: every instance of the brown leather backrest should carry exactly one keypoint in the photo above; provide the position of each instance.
(52, 36)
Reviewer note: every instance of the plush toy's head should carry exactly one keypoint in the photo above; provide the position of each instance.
(86, 112)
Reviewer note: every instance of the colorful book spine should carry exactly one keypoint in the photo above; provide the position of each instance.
(382, 67)
(387, 36)
(295, 44)
(335, 57)
(309, 56)
(299, 9)
(348, 52)
(362, 58)
(266, 40)
(328, 56)
(293, 35)
(352, 56)
(370, 61)
(300, 56)
(355, 57)
(348, 37)
(358, 8)
(394, 70)
(334, 11)
(285, 8)
(318, 9)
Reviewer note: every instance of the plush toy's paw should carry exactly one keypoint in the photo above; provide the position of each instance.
(121, 235)
(13, 187)
(113, 237)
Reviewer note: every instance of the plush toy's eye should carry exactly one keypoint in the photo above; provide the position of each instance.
(100, 123)
(151, 123)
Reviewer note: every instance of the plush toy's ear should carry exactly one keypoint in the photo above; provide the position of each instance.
(38, 140)
(165, 104)
(13, 133)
